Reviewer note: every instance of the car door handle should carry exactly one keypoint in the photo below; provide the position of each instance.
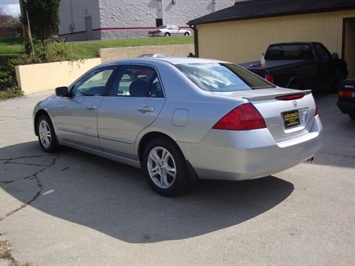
(145, 108)
(91, 107)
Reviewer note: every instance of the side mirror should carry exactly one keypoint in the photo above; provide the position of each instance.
(62, 91)
(335, 56)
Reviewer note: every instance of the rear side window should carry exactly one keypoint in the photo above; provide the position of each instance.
(222, 77)
(137, 81)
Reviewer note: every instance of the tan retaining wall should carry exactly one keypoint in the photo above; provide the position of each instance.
(42, 77)
(178, 50)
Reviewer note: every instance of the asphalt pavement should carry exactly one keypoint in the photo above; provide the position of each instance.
(72, 208)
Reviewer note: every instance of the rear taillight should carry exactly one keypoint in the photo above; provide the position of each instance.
(316, 105)
(269, 77)
(346, 94)
(244, 117)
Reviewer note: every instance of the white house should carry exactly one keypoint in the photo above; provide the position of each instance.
(82, 20)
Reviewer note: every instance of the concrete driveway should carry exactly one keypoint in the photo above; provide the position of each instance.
(72, 208)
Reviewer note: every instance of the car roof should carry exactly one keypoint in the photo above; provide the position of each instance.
(171, 60)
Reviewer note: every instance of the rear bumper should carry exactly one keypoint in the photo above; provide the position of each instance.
(233, 155)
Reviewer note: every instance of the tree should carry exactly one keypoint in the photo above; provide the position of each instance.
(43, 16)
(9, 26)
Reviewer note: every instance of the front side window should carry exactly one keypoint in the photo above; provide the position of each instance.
(94, 83)
(322, 51)
(222, 77)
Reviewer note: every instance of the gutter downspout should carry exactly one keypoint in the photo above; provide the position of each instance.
(193, 27)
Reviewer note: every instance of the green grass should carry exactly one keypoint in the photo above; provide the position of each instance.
(91, 49)
(10, 47)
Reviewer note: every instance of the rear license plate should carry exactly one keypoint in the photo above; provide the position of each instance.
(291, 118)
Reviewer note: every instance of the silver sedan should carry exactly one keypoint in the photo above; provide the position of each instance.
(182, 119)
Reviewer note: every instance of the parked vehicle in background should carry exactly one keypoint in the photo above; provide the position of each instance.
(346, 97)
(301, 65)
(168, 30)
(58, 38)
(137, 72)
(153, 55)
(182, 119)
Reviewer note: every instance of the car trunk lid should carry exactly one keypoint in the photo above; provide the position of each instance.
(287, 113)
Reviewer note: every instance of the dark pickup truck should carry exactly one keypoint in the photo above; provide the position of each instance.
(301, 65)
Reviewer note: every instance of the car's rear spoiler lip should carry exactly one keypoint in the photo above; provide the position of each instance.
(274, 95)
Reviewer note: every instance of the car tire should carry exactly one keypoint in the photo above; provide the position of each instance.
(165, 168)
(46, 135)
(167, 34)
(186, 34)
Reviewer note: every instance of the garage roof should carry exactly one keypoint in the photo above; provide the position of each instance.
(253, 9)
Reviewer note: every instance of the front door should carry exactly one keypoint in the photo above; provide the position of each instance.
(76, 115)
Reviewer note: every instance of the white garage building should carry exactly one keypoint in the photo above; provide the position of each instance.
(82, 20)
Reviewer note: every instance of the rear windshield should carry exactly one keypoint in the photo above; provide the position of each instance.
(222, 77)
(289, 52)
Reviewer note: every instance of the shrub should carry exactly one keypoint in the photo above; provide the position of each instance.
(7, 75)
(48, 51)
(44, 52)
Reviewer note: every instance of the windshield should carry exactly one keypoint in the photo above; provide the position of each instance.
(222, 77)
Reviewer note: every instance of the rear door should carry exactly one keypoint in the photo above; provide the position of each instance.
(135, 101)
(174, 30)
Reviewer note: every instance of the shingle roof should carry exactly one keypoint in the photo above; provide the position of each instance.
(271, 8)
